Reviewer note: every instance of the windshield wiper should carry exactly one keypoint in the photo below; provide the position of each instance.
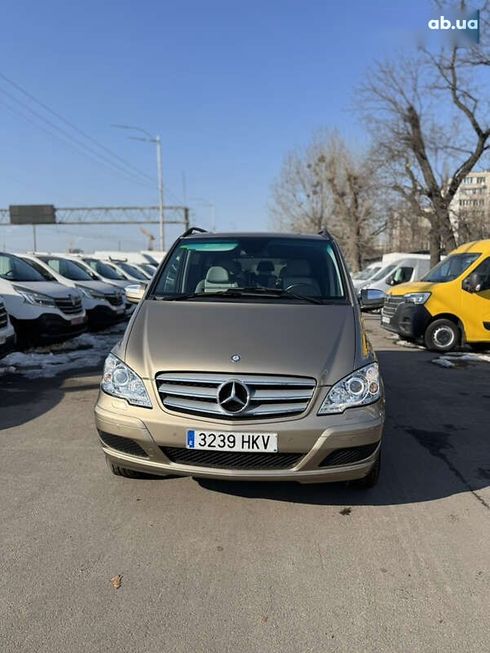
(272, 292)
(240, 292)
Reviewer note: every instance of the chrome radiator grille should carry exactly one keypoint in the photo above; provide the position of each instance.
(257, 396)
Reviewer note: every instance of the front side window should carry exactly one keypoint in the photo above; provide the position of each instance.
(253, 265)
(403, 274)
(13, 268)
(450, 268)
(483, 275)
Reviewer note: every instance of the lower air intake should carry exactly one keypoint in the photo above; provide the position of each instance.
(231, 459)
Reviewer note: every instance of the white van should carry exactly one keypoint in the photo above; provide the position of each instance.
(104, 303)
(7, 333)
(40, 310)
(410, 268)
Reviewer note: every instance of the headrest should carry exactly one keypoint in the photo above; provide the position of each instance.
(265, 266)
(217, 274)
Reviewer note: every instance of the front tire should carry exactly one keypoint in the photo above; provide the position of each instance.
(442, 335)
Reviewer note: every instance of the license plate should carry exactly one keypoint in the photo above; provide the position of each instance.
(385, 319)
(120, 310)
(232, 441)
(77, 320)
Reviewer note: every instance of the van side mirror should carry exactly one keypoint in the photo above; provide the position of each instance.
(473, 283)
(135, 292)
(371, 298)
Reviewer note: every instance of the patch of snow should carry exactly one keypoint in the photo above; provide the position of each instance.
(87, 350)
(407, 344)
(468, 356)
(443, 362)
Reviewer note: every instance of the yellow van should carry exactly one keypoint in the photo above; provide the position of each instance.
(450, 306)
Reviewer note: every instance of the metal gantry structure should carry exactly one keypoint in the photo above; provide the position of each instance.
(111, 215)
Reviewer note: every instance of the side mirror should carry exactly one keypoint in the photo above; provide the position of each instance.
(371, 298)
(472, 283)
(135, 292)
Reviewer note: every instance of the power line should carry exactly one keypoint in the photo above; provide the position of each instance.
(72, 126)
(68, 138)
(76, 129)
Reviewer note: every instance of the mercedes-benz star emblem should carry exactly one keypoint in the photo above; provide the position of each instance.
(235, 358)
(233, 397)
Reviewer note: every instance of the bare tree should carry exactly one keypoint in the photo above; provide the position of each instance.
(326, 186)
(429, 118)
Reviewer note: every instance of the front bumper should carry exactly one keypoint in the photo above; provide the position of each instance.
(313, 438)
(408, 320)
(7, 345)
(50, 327)
(101, 315)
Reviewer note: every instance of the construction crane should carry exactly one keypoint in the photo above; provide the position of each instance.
(150, 236)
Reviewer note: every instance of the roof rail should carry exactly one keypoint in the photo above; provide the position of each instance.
(192, 230)
(324, 233)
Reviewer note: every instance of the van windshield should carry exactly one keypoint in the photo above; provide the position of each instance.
(383, 272)
(450, 268)
(68, 269)
(271, 268)
(13, 268)
(104, 269)
(132, 271)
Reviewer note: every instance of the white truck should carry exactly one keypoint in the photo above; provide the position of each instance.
(398, 268)
(40, 310)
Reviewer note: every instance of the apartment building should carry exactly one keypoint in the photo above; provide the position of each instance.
(470, 208)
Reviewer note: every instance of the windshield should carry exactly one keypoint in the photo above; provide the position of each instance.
(68, 269)
(149, 269)
(104, 269)
(39, 268)
(450, 268)
(367, 273)
(210, 267)
(383, 272)
(134, 272)
(13, 268)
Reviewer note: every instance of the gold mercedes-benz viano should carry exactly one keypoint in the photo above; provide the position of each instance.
(245, 359)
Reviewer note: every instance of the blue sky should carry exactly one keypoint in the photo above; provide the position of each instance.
(230, 86)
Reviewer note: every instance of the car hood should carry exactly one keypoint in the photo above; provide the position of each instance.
(119, 283)
(317, 341)
(414, 286)
(51, 288)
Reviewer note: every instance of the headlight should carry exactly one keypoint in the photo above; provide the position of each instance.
(88, 292)
(358, 389)
(119, 380)
(35, 297)
(417, 297)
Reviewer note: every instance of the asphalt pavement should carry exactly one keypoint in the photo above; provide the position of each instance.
(239, 567)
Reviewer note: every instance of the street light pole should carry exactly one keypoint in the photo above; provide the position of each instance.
(160, 191)
(153, 139)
